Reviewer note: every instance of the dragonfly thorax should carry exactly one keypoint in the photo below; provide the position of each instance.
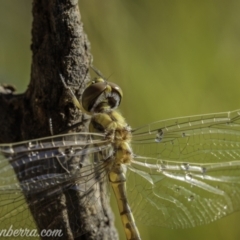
(117, 131)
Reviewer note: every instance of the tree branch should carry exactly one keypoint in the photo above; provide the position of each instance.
(59, 46)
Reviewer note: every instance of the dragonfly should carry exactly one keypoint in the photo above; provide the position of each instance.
(177, 173)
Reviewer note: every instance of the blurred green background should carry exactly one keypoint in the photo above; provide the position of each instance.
(171, 58)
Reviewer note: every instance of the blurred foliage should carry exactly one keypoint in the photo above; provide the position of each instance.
(172, 58)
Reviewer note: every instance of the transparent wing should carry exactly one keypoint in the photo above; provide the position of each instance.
(191, 173)
(43, 169)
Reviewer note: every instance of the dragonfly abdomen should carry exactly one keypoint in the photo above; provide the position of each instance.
(117, 179)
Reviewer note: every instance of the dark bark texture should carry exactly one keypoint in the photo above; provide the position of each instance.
(59, 46)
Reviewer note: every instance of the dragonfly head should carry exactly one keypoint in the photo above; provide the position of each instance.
(101, 96)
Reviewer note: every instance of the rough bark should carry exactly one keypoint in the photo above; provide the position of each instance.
(59, 46)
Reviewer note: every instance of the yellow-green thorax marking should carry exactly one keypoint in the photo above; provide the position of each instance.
(100, 99)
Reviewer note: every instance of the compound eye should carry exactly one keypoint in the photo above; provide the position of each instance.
(101, 96)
